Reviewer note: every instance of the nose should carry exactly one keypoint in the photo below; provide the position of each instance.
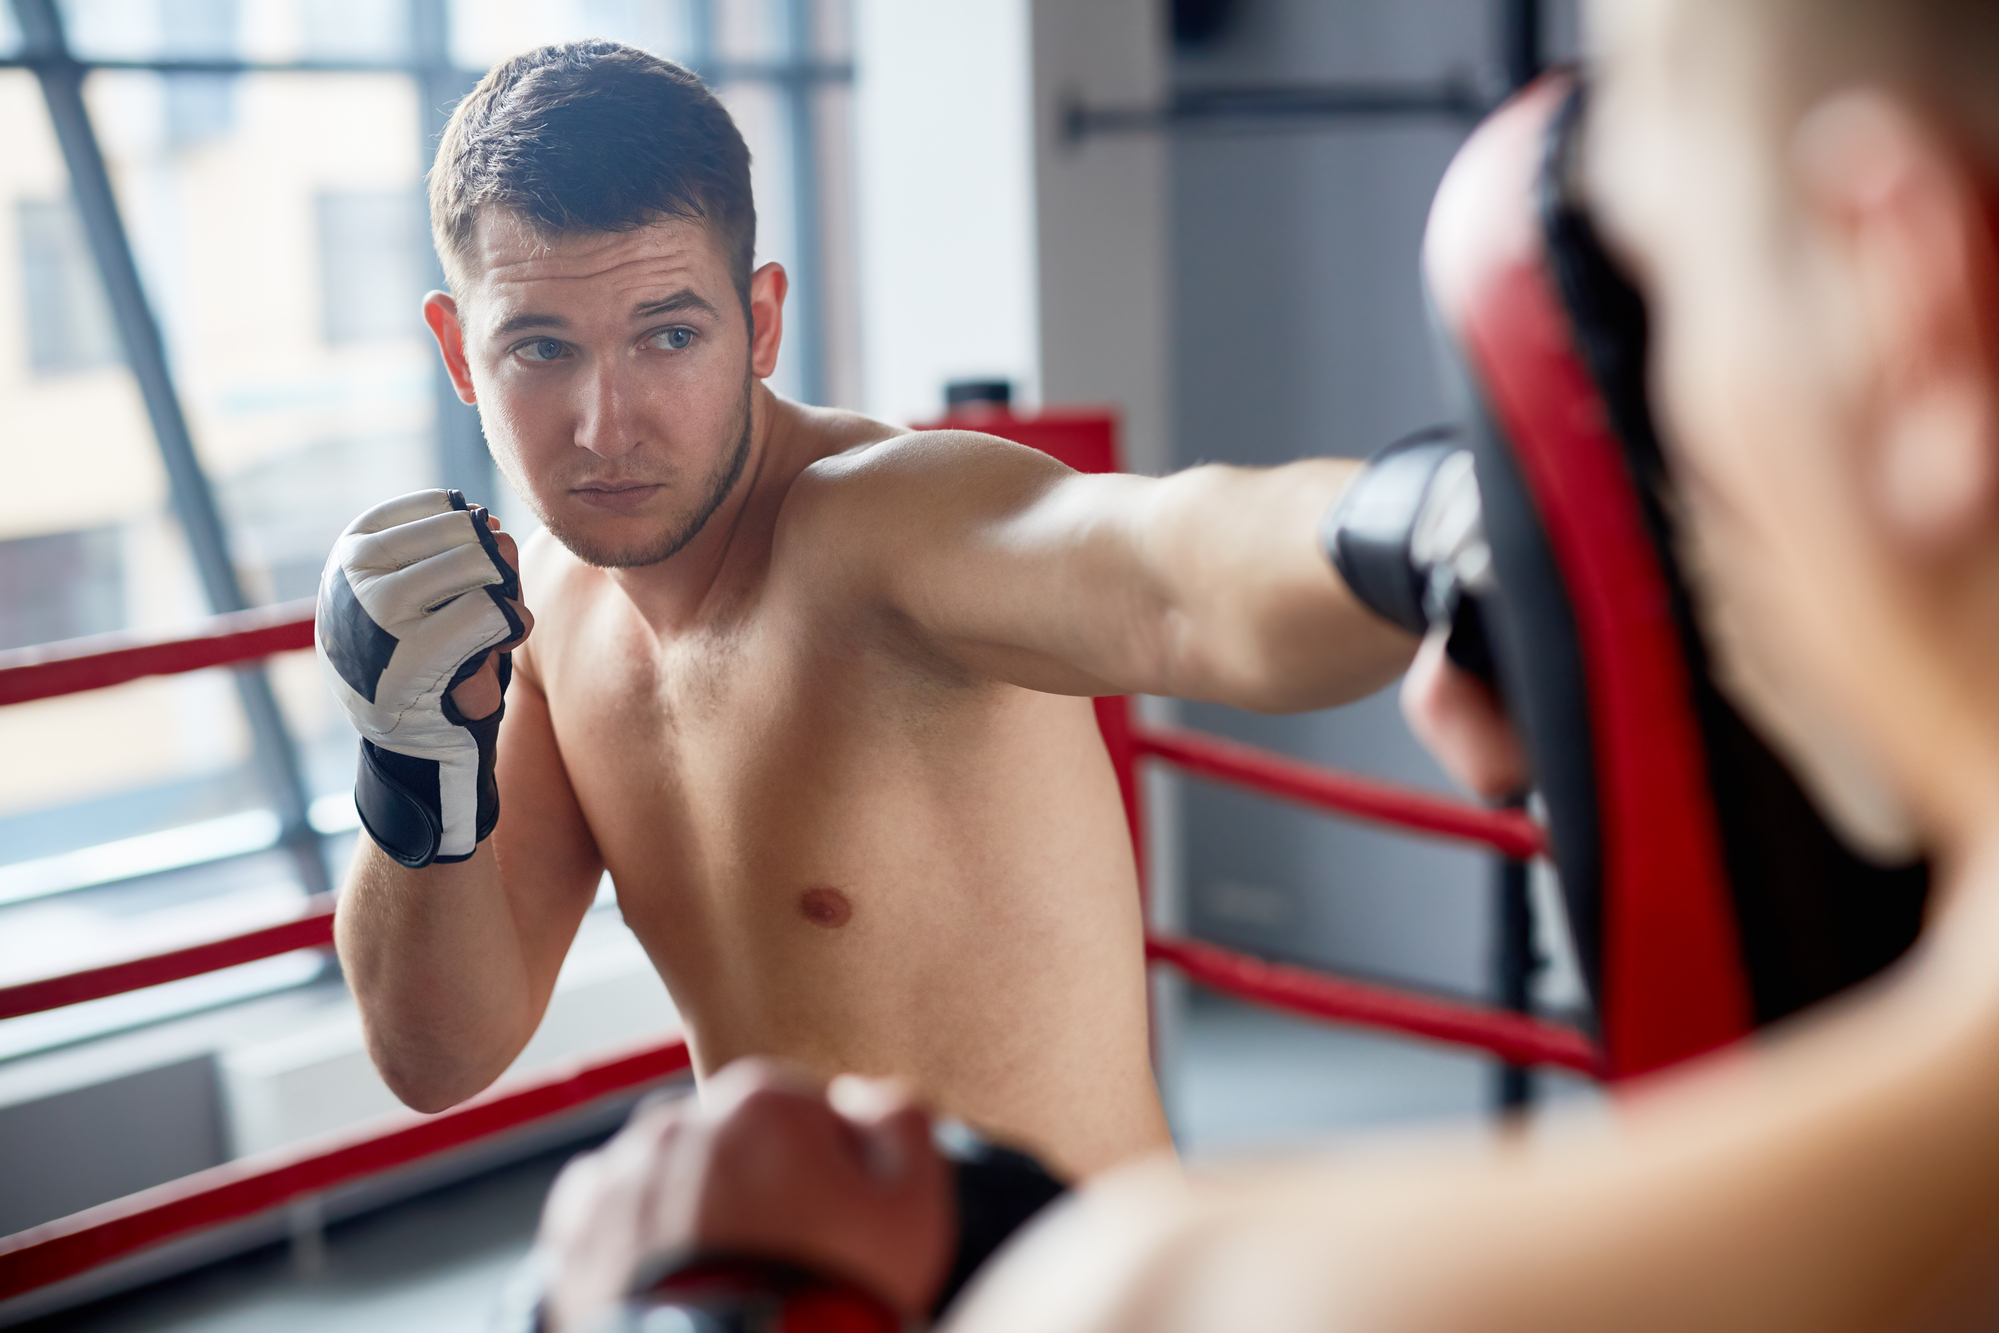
(606, 424)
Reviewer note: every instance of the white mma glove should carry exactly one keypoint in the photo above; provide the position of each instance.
(415, 595)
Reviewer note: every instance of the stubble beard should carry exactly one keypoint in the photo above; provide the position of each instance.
(720, 483)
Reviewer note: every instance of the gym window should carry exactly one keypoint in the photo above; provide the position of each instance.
(266, 159)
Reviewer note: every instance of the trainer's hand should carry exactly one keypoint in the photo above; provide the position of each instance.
(1460, 721)
(844, 1180)
(481, 696)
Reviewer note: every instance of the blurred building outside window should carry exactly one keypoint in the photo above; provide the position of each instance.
(276, 216)
(371, 245)
(68, 326)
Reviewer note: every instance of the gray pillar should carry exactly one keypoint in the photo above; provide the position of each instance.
(1514, 963)
(1523, 38)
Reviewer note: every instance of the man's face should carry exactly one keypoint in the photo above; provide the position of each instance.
(613, 374)
(1758, 381)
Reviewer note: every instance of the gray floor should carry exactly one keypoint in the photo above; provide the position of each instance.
(1245, 1080)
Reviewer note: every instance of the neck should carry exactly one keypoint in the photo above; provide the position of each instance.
(672, 593)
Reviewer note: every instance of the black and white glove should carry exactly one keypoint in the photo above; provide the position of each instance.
(415, 596)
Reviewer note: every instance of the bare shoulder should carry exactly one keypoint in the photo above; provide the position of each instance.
(916, 476)
(858, 521)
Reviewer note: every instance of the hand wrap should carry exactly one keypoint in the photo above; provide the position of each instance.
(1408, 537)
(414, 597)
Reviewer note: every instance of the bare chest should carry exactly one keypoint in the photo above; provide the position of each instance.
(720, 767)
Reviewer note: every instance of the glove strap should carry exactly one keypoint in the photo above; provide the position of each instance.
(398, 797)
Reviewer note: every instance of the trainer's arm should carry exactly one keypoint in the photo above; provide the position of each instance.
(1208, 584)
(1845, 1179)
(453, 964)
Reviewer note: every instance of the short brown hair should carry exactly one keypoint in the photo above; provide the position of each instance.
(592, 136)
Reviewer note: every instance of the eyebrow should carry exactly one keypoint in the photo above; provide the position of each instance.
(530, 321)
(684, 299)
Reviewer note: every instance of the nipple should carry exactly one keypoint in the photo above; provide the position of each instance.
(825, 907)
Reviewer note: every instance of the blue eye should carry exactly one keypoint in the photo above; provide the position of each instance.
(540, 349)
(674, 339)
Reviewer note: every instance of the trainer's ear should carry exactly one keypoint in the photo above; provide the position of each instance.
(440, 311)
(767, 288)
(1907, 209)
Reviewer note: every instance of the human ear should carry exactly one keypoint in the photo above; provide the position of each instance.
(767, 288)
(1906, 210)
(441, 313)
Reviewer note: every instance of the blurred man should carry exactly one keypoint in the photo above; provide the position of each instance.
(814, 690)
(1809, 192)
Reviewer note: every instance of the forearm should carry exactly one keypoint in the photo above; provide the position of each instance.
(1845, 1179)
(1254, 614)
(435, 960)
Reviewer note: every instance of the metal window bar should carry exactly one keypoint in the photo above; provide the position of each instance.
(463, 460)
(61, 79)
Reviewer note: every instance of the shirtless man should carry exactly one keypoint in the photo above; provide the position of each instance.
(814, 690)
(1809, 192)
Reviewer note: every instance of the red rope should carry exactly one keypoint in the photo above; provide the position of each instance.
(76, 665)
(313, 930)
(243, 1189)
(1512, 834)
(1514, 1038)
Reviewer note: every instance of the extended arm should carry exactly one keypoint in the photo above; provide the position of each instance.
(1208, 584)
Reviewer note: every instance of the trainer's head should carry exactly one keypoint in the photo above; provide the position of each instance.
(1806, 189)
(592, 208)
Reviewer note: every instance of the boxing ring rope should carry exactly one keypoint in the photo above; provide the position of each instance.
(76, 665)
(252, 1186)
(1510, 833)
(311, 930)
(245, 1188)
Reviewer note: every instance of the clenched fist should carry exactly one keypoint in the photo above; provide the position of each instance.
(418, 608)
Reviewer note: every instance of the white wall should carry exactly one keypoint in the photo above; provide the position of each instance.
(944, 163)
(1106, 282)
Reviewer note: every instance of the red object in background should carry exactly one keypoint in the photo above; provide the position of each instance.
(243, 1189)
(1508, 832)
(1514, 1038)
(312, 929)
(75, 665)
(1082, 438)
